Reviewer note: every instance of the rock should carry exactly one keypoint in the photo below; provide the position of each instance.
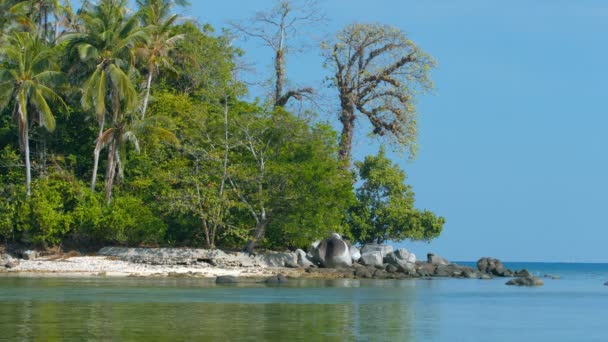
(523, 274)
(425, 269)
(355, 254)
(8, 262)
(381, 274)
(485, 276)
(291, 264)
(276, 279)
(450, 270)
(493, 266)
(371, 259)
(276, 259)
(402, 259)
(362, 272)
(29, 255)
(391, 268)
(374, 247)
(526, 281)
(606, 283)
(470, 273)
(436, 259)
(226, 279)
(554, 277)
(303, 260)
(332, 252)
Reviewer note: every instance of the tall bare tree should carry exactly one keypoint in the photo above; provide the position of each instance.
(279, 29)
(378, 72)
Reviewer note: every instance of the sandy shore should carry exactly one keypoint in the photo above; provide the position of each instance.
(105, 266)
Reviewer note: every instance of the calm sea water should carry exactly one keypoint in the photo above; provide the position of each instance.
(574, 308)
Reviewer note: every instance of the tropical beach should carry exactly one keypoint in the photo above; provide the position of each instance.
(303, 170)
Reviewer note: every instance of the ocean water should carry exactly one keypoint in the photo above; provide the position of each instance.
(573, 308)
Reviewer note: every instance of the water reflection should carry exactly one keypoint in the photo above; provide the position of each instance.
(56, 309)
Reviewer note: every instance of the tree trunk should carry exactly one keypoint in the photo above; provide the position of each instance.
(280, 75)
(26, 149)
(111, 170)
(260, 229)
(147, 97)
(346, 138)
(96, 154)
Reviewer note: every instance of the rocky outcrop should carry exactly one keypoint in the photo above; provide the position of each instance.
(523, 274)
(332, 252)
(402, 259)
(493, 267)
(303, 259)
(436, 259)
(525, 281)
(371, 259)
(192, 256)
(374, 247)
(276, 259)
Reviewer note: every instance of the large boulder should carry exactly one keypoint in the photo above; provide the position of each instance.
(374, 247)
(355, 254)
(526, 281)
(436, 259)
(371, 259)
(332, 252)
(523, 274)
(303, 260)
(277, 259)
(493, 267)
(402, 259)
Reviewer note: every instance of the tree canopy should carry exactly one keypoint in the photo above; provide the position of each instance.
(190, 160)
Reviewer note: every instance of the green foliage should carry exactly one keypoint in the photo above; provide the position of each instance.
(45, 217)
(385, 206)
(191, 163)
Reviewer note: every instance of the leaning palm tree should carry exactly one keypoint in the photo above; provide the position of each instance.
(105, 48)
(156, 15)
(26, 80)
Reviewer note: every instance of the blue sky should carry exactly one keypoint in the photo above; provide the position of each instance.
(513, 143)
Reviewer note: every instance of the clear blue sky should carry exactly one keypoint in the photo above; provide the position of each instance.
(513, 143)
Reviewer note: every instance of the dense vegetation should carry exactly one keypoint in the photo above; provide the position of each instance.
(153, 104)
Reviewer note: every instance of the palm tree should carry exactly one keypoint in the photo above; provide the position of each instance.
(26, 80)
(106, 48)
(37, 13)
(156, 16)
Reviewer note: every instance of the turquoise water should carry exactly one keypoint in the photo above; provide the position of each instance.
(574, 308)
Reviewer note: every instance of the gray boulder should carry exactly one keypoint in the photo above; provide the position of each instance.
(332, 252)
(470, 273)
(29, 255)
(226, 279)
(303, 260)
(523, 274)
(485, 276)
(526, 281)
(276, 279)
(371, 259)
(436, 259)
(402, 259)
(355, 254)
(493, 267)
(277, 259)
(374, 247)
(425, 269)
